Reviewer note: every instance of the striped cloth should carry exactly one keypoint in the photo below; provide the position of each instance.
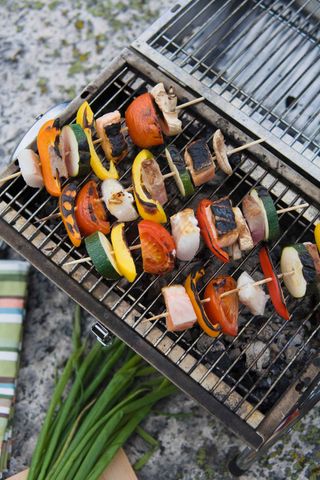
(13, 288)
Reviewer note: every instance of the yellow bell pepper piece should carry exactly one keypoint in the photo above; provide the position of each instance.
(85, 117)
(148, 208)
(122, 253)
(317, 235)
(97, 166)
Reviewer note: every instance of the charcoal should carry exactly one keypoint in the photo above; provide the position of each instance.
(252, 354)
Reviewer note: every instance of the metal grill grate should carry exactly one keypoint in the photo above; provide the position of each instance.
(221, 366)
(260, 56)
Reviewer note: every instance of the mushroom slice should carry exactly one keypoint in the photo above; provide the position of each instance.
(220, 151)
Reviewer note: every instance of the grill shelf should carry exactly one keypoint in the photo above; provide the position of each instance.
(215, 373)
(258, 60)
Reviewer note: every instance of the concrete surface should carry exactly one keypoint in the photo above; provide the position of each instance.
(48, 51)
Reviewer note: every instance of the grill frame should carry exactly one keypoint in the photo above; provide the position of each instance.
(120, 328)
(289, 154)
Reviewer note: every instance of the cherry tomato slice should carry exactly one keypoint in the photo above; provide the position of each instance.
(223, 310)
(158, 248)
(91, 215)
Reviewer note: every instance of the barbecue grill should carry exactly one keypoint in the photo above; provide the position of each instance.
(255, 62)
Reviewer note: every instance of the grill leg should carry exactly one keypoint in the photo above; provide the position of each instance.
(239, 464)
(310, 396)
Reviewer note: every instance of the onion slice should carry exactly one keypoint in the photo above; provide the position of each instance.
(29, 163)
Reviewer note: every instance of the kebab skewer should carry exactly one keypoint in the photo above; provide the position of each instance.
(219, 308)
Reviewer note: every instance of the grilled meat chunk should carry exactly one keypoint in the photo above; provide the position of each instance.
(113, 142)
(152, 180)
(224, 221)
(181, 314)
(199, 160)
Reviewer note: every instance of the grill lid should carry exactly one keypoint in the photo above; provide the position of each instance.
(258, 61)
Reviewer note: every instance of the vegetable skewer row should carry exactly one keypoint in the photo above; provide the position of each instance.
(224, 294)
(27, 152)
(100, 199)
(224, 226)
(67, 151)
(157, 246)
(300, 267)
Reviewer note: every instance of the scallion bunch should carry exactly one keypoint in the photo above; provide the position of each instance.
(99, 400)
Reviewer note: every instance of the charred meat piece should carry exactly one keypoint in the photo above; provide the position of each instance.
(199, 160)
(113, 142)
(224, 221)
(152, 180)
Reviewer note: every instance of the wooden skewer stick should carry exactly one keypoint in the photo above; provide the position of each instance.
(245, 146)
(225, 294)
(255, 284)
(166, 314)
(88, 259)
(188, 104)
(10, 177)
(294, 207)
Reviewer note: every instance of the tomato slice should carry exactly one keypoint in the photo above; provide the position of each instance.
(223, 310)
(157, 246)
(91, 215)
(208, 231)
(274, 287)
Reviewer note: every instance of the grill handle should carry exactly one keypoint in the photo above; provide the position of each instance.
(102, 334)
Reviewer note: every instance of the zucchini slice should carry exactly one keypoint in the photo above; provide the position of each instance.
(74, 149)
(177, 166)
(122, 253)
(297, 259)
(272, 228)
(100, 251)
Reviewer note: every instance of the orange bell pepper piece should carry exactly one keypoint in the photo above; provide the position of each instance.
(52, 165)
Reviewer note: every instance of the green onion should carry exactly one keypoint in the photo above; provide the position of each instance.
(98, 402)
(43, 440)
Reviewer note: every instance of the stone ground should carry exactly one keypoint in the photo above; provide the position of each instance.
(48, 51)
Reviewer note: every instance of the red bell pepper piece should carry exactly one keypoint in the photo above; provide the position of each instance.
(223, 311)
(208, 231)
(274, 287)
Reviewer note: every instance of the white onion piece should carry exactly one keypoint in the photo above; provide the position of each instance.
(29, 163)
(254, 217)
(253, 297)
(118, 201)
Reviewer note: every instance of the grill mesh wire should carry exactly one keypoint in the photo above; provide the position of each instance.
(219, 366)
(261, 55)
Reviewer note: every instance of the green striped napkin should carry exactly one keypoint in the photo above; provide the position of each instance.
(13, 289)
